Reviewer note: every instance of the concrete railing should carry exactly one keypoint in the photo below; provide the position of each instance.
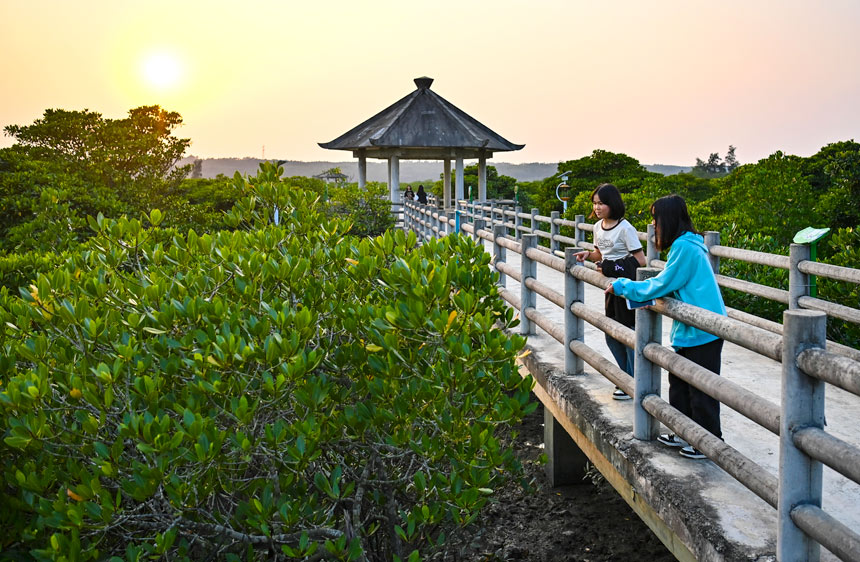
(808, 360)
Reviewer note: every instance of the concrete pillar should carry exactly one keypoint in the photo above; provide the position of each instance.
(566, 463)
(578, 233)
(499, 251)
(651, 252)
(528, 298)
(574, 326)
(458, 178)
(518, 222)
(646, 375)
(477, 225)
(712, 238)
(446, 183)
(482, 178)
(395, 179)
(798, 282)
(553, 231)
(452, 221)
(362, 170)
(800, 476)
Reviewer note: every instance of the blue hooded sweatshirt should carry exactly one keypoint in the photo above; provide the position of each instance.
(687, 277)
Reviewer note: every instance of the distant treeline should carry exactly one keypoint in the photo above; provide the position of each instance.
(410, 170)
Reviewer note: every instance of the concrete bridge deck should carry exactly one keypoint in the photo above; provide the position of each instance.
(698, 510)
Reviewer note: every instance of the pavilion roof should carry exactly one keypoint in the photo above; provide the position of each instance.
(422, 125)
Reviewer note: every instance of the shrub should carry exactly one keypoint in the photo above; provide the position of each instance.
(270, 391)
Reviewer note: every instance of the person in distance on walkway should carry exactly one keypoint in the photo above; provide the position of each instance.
(409, 195)
(617, 253)
(688, 277)
(422, 195)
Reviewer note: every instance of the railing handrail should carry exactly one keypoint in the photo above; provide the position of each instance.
(802, 438)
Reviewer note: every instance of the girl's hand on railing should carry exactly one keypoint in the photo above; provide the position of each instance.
(582, 256)
(609, 290)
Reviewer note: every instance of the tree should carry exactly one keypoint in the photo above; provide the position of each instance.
(70, 164)
(135, 156)
(834, 175)
(731, 161)
(585, 174)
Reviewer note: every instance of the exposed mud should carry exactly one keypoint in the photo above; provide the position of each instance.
(588, 522)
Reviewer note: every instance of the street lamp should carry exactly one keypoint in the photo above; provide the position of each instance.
(564, 196)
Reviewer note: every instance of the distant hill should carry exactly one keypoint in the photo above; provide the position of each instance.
(410, 170)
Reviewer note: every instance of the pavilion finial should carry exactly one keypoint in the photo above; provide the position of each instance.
(423, 83)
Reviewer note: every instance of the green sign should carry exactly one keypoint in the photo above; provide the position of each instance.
(810, 235)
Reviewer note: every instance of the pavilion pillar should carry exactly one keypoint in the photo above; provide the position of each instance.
(482, 178)
(362, 170)
(446, 183)
(458, 179)
(394, 185)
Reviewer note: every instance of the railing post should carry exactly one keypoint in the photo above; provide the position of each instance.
(518, 222)
(574, 326)
(646, 375)
(437, 222)
(800, 477)
(499, 251)
(477, 225)
(451, 221)
(457, 221)
(712, 238)
(492, 212)
(798, 282)
(651, 252)
(553, 231)
(534, 213)
(528, 298)
(578, 233)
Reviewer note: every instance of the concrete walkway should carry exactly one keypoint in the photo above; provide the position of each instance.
(702, 512)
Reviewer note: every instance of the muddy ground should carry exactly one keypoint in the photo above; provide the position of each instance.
(581, 523)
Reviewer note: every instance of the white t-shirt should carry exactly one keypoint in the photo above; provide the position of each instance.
(616, 242)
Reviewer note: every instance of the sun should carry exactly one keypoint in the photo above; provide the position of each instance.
(162, 71)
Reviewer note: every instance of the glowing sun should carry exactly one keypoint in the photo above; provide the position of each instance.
(162, 71)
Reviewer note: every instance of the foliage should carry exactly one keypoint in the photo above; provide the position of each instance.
(368, 209)
(834, 176)
(771, 197)
(585, 174)
(72, 164)
(841, 248)
(498, 187)
(135, 156)
(271, 390)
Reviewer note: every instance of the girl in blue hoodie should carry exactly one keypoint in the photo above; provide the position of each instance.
(688, 277)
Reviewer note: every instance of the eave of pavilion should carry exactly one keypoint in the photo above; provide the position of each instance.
(422, 153)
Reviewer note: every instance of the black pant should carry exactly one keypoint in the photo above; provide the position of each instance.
(691, 401)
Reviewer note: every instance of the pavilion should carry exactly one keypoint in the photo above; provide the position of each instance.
(423, 126)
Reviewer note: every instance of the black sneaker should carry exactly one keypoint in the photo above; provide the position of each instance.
(619, 394)
(691, 453)
(671, 440)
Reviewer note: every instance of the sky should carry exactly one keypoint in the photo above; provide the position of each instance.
(663, 81)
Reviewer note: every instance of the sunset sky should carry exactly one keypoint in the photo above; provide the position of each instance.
(662, 81)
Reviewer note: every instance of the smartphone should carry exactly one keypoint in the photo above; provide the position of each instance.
(633, 305)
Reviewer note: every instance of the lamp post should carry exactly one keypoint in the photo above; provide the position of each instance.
(564, 197)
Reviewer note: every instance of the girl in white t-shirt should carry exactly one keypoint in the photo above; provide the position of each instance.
(617, 253)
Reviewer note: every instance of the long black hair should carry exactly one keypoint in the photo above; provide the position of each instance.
(609, 196)
(671, 219)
